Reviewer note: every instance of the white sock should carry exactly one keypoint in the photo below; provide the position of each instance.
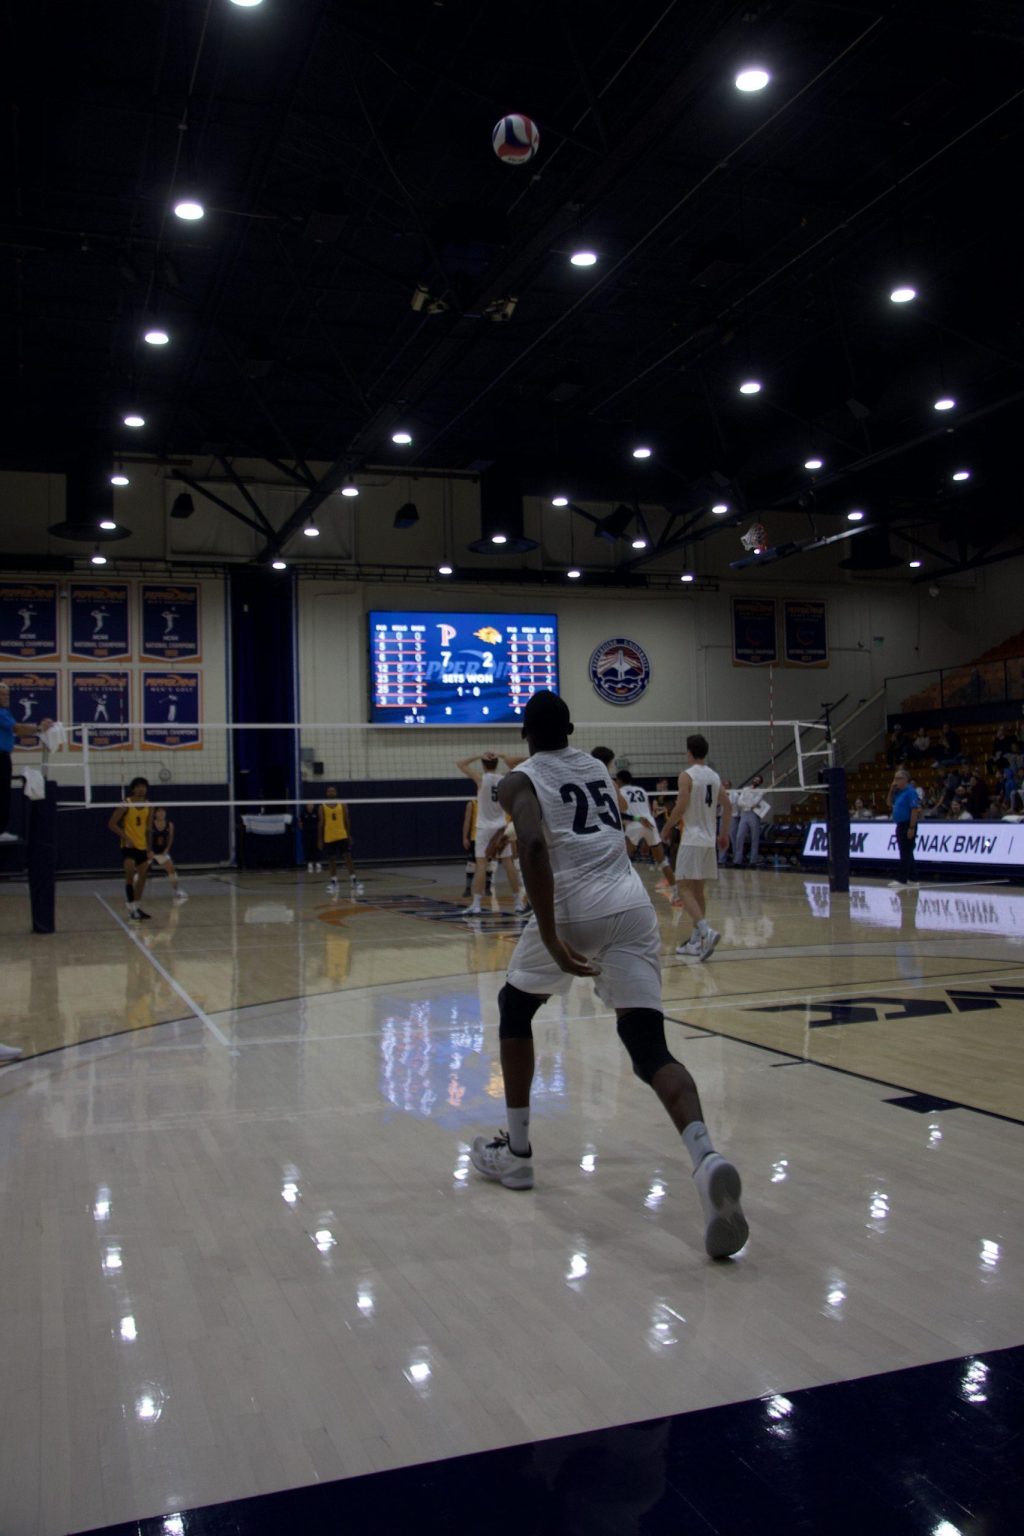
(474, 905)
(702, 927)
(519, 1130)
(697, 1141)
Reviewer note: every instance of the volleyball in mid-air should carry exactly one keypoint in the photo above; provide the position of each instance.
(515, 138)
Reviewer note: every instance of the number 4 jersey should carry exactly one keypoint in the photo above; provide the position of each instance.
(583, 831)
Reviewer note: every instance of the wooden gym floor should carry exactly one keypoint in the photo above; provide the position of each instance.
(244, 1250)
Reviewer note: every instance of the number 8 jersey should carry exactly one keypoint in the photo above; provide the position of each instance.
(583, 831)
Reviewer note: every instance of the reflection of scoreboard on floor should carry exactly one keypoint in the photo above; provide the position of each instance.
(459, 668)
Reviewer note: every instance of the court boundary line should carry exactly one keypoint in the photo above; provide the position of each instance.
(190, 1002)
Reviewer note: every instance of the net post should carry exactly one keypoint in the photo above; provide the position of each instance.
(86, 767)
(837, 813)
(42, 859)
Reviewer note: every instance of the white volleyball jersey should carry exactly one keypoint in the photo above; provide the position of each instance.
(699, 823)
(583, 830)
(488, 807)
(638, 802)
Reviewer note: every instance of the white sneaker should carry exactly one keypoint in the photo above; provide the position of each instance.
(8, 837)
(358, 887)
(473, 910)
(709, 944)
(521, 907)
(332, 887)
(179, 896)
(309, 869)
(691, 949)
(496, 1160)
(719, 1187)
(12, 1052)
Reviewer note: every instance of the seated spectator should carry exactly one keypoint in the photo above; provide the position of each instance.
(958, 811)
(896, 750)
(861, 812)
(997, 809)
(1001, 744)
(922, 743)
(950, 785)
(1015, 757)
(948, 747)
(977, 796)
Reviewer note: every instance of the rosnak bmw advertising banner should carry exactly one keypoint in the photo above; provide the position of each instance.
(946, 842)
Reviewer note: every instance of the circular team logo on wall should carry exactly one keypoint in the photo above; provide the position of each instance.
(620, 671)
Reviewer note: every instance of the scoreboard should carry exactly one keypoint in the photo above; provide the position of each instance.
(459, 668)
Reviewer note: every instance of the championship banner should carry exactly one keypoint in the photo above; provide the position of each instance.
(806, 632)
(170, 622)
(98, 621)
(28, 620)
(753, 632)
(103, 702)
(171, 703)
(33, 698)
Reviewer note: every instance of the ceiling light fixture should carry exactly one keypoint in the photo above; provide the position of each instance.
(961, 474)
(349, 489)
(903, 294)
(403, 439)
(640, 542)
(279, 565)
(108, 525)
(134, 420)
(720, 508)
(814, 464)
(246, 5)
(573, 574)
(98, 559)
(584, 258)
(445, 570)
(189, 209)
(119, 478)
(559, 501)
(750, 387)
(311, 530)
(156, 338)
(498, 538)
(686, 576)
(855, 517)
(641, 452)
(915, 565)
(944, 403)
(752, 79)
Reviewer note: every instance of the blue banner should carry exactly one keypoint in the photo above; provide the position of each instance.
(754, 643)
(806, 634)
(171, 709)
(103, 702)
(170, 622)
(33, 699)
(98, 621)
(28, 620)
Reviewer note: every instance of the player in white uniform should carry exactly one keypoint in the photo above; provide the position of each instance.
(490, 821)
(701, 796)
(640, 826)
(592, 917)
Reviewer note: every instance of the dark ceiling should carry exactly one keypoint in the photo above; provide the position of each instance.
(343, 152)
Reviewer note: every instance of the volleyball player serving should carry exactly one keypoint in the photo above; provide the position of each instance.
(592, 917)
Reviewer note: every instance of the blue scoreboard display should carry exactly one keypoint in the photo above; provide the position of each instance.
(459, 668)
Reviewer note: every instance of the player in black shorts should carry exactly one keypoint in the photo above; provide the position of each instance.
(161, 840)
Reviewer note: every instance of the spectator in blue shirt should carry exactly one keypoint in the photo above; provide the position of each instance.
(906, 809)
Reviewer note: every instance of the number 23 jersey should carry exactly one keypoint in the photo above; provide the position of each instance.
(583, 830)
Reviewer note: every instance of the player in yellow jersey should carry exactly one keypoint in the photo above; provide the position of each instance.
(130, 823)
(335, 840)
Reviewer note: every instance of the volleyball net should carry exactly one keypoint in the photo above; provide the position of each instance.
(227, 786)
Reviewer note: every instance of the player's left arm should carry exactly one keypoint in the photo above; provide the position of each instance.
(464, 765)
(512, 762)
(678, 811)
(517, 796)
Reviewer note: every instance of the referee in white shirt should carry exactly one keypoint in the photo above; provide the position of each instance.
(748, 820)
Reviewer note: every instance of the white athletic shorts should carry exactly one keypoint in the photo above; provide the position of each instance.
(641, 830)
(626, 945)
(695, 861)
(483, 837)
(160, 858)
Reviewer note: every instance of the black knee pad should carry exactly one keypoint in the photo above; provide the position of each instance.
(515, 1013)
(642, 1032)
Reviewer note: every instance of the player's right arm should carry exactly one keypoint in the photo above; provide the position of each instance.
(517, 797)
(116, 822)
(678, 811)
(464, 765)
(467, 823)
